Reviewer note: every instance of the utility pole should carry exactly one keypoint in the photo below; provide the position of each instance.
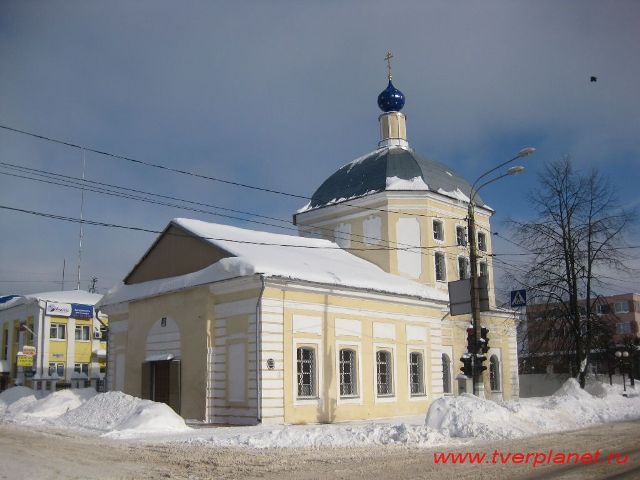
(478, 384)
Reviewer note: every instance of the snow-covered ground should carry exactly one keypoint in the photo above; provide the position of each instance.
(450, 420)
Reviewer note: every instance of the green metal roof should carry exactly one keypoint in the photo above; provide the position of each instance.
(369, 174)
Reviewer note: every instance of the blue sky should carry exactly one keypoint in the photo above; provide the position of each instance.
(280, 94)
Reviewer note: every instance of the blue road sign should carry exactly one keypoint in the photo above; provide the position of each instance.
(518, 298)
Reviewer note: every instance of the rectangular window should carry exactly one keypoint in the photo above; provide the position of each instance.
(5, 343)
(483, 269)
(604, 309)
(438, 230)
(621, 307)
(623, 328)
(56, 368)
(383, 373)
(103, 333)
(463, 267)
(416, 373)
(57, 331)
(81, 368)
(82, 332)
(441, 269)
(348, 384)
(461, 236)
(306, 372)
(482, 242)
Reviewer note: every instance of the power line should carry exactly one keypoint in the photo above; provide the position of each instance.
(195, 174)
(53, 178)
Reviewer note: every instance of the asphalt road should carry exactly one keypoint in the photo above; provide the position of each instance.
(610, 451)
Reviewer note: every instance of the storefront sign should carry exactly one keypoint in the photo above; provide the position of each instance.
(79, 310)
(25, 361)
(56, 309)
(75, 310)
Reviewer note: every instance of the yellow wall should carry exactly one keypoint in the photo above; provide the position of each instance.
(191, 310)
(58, 348)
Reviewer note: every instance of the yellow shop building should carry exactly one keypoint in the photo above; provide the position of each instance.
(52, 336)
(348, 321)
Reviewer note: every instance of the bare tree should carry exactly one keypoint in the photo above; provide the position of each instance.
(576, 236)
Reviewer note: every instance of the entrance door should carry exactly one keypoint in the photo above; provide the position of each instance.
(161, 382)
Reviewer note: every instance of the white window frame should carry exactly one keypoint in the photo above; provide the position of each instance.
(313, 371)
(56, 366)
(621, 307)
(486, 269)
(59, 327)
(465, 260)
(423, 370)
(78, 368)
(83, 329)
(301, 342)
(497, 375)
(356, 397)
(461, 242)
(433, 226)
(484, 243)
(449, 372)
(385, 398)
(436, 254)
(623, 328)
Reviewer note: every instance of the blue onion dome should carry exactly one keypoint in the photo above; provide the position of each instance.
(391, 99)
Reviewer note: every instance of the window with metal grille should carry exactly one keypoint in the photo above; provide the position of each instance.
(438, 230)
(306, 372)
(483, 269)
(441, 272)
(463, 267)
(416, 375)
(461, 236)
(348, 383)
(494, 373)
(446, 373)
(383, 370)
(482, 242)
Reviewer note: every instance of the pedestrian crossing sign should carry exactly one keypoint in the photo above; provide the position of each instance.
(518, 298)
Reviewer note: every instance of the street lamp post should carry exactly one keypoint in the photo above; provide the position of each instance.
(478, 384)
(620, 355)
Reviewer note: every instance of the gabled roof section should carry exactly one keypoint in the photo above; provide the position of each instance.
(176, 251)
(251, 252)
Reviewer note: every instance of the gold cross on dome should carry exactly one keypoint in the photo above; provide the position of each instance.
(388, 58)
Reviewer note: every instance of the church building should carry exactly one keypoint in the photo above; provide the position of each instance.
(347, 321)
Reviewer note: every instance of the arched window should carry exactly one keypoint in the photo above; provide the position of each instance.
(416, 375)
(446, 373)
(348, 379)
(494, 373)
(383, 371)
(306, 372)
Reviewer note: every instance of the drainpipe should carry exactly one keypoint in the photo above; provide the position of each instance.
(259, 351)
(96, 312)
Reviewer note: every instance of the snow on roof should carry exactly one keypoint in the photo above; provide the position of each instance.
(65, 296)
(276, 255)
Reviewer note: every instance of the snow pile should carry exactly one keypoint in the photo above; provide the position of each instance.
(14, 399)
(397, 183)
(20, 405)
(569, 408)
(113, 412)
(319, 436)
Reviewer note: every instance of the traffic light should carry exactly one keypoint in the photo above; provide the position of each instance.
(471, 341)
(479, 365)
(484, 339)
(466, 368)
